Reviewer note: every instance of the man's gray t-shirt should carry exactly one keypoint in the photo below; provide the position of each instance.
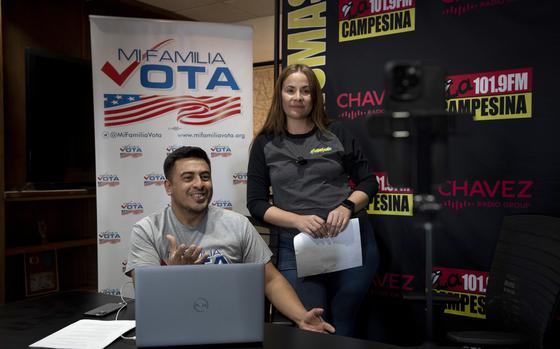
(226, 236)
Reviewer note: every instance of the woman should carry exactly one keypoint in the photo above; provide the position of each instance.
(308, 161)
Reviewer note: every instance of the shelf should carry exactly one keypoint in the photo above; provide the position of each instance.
(13, 251)
(36, 195)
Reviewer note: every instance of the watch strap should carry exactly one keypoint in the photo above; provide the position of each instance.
(349, 205)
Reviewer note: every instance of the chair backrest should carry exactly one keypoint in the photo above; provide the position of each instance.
(524, 280)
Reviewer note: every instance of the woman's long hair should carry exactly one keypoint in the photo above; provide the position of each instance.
(276, 119)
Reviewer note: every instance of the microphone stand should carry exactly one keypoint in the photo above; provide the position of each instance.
(424, 128)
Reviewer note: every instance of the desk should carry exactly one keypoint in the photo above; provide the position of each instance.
(25, 322)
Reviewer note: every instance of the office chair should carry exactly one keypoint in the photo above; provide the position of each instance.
(523, 285)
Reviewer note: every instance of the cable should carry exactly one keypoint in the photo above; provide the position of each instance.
(124, 304)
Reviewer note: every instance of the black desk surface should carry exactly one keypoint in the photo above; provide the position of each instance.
(23, 323)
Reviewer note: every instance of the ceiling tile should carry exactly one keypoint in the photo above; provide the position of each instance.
(220, 13)
(174, 5)
(258, 8)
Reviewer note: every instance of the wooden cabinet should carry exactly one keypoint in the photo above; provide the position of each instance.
(59, 224)
(68, 217)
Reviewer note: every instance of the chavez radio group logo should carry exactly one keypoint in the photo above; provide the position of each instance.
(357, 104)
(391, 201)
(461, 7)
(460, 194)
(366, 19)
(494, 95)
(392, 284)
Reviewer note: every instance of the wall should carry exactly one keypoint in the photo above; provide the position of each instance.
(2, 229)
(497, 158)
(60, 27)
(263, 38)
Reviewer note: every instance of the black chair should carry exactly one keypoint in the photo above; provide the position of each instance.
(523, 285)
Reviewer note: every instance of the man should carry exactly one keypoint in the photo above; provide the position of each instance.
(192, 232)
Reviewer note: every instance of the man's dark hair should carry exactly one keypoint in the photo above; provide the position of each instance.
(183, 153)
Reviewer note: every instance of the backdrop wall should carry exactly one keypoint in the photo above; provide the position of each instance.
(501, 63)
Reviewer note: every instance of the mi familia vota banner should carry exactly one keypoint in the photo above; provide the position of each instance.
(159, 85)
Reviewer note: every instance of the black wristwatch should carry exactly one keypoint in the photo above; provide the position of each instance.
(349, 205)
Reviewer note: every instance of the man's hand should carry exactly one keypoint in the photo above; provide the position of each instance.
(312, 321)
(182, 254)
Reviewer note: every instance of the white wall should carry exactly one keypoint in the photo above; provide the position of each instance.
(263, 38)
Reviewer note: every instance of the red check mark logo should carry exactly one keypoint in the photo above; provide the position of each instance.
(119, 78)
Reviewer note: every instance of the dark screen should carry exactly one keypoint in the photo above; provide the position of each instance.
(60, 123)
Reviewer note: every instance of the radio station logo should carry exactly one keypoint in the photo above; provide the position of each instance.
(360, 104)
(220, 150)
(461, 7)
(494, 95)
(133, 208)
(109, 237)
(391, 201)
(171, 148)
(131, 151)
(240, 178)
(389, 284)
(481, 193)
(154, 179)
(468, 285)
(225, 204)
(367, 19)
(108, 180)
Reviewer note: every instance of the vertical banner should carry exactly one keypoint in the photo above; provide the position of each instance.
(159, 85)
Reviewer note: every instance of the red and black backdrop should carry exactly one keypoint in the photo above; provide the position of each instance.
(501, 59)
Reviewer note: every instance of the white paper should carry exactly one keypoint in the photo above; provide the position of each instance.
(325, 255)
(87, 334)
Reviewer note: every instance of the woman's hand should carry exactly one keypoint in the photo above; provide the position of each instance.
(337, 220)
(311, 225)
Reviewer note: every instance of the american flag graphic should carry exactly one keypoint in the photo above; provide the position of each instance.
(124, 109)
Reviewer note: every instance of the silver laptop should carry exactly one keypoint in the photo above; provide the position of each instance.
(199, 304)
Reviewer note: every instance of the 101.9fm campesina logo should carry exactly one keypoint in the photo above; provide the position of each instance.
(389, 200)
(494, 95)
(367, 19)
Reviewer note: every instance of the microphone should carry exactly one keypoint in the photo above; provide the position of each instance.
(301, 161)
